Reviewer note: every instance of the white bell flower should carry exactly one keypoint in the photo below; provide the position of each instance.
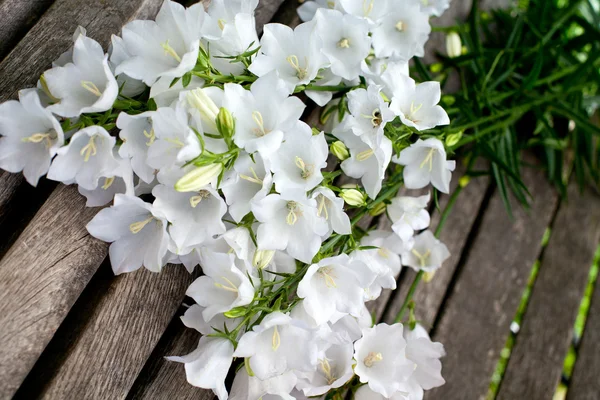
(428, 253)
(203, 105)
(384, 73)
(298, 162)
(334, 284)
(425, 162)
(434, 8)
(222, 287)
(367, 163)
(88, 157)
(294, 54)
(208, 365)
(409, 390)
(262, 114)
(401, 34)
(308, 9)
(331, 208)
(247, 387)
(372, 10)
(289, 221)
(166, 47)
(195, 216)
(121, 181)
(86, 85)
(326, 78)
(137, 231)
(426, 355)
(128, 86)
(381, 359)
(137, 134)
(31, 136)
(334, 369)
(346, 41)
(278, 345)
(409, 214)
(67, 56)
(224, 11)
(417, 105)
(369, 114)
(351, 327)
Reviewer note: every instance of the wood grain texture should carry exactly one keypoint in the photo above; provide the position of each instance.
(483, 301)
(536, 362)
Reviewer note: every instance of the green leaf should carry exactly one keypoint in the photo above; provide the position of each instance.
(186, 79)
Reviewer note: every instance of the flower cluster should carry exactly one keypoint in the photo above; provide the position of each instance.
(190, 128)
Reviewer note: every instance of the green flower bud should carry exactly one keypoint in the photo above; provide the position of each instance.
(236, 312)
(339, 149)
(353, 197)
(453, 45)
(198, 178)
(453, 138)
(225, 123)
(436, 67)
(262, 258)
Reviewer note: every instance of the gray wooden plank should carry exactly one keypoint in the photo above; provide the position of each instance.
(55, 248)
(536, 362)
(479, 308)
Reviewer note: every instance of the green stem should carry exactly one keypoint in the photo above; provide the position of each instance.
(226, 78)
(317, 88)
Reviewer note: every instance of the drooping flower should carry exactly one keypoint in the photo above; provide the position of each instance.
(137, 231)
(409, 214)
(425, 162)
(369, 114)
(331, 208)
(31, 136)
(427, 254)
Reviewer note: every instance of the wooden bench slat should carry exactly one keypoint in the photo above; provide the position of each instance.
(481, 305)
(536, 362)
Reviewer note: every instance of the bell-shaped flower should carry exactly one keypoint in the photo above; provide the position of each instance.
(334, 369)
(372, 10)
(369, 114)
(247, 387)
(262, 114)
(128, 86)
(409, 214)
(249, 180)
(193, 318)
(381, 359)
(137, 135)
(208, 365)
(434, 8)
(88, 157)
(195, 216)
(224, 11)
(401, 34)
(86, 85)
(298, 163)
(294, 54)
(417, 105)
(137, 231)
(222, 287)
(426, 355)
(31, 136)
(409, 390)
(428, 253)
(351, 327)
(367, 163)
(166, 47)
(289, 221)
(334, 284)
(425, 162)
(384, 73)
(278, 345)
(308, 9)
(121, 181)
(203, 105)
(346, 41)
(331, 208)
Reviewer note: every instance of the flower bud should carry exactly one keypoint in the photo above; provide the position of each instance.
(353, 197)
(225, 123)
(453, 138)
(262, 258)
(198, 99)
(339, 149)
(198, 178)
(378, 209)
(236, 312)
(453, 45)
(464, 181)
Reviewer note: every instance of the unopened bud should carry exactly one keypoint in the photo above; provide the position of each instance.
(339, 149)
(236, 312)
(198, 178)
(353, 197)
(436, 67)
(199, 100)
(225, 123)
(453, 138)
(464, 181)
(262, 258)
(453, 45)
(378, 209)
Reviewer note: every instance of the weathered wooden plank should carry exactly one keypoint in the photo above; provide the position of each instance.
(481, 304)
(536, 362)
(55, 248)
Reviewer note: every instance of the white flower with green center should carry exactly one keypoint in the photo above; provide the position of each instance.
(369, 114)
(425, 162)
(417, 105)
(381, 359)
(371, 10)
(86, 85)
(88, 157)
(346, 41)
(426, 355)
(331, 209)
(137, 231)
(401, 34)
(278, 345)
(31, 136)
(409, 214)
(167, 47)
(262, 114)
(247, 387)
(334, 369)
(137, 135)
(299, 161)
(294, 54)
(428, 253)
(289, 221)
(223, 286)
(308, 9)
